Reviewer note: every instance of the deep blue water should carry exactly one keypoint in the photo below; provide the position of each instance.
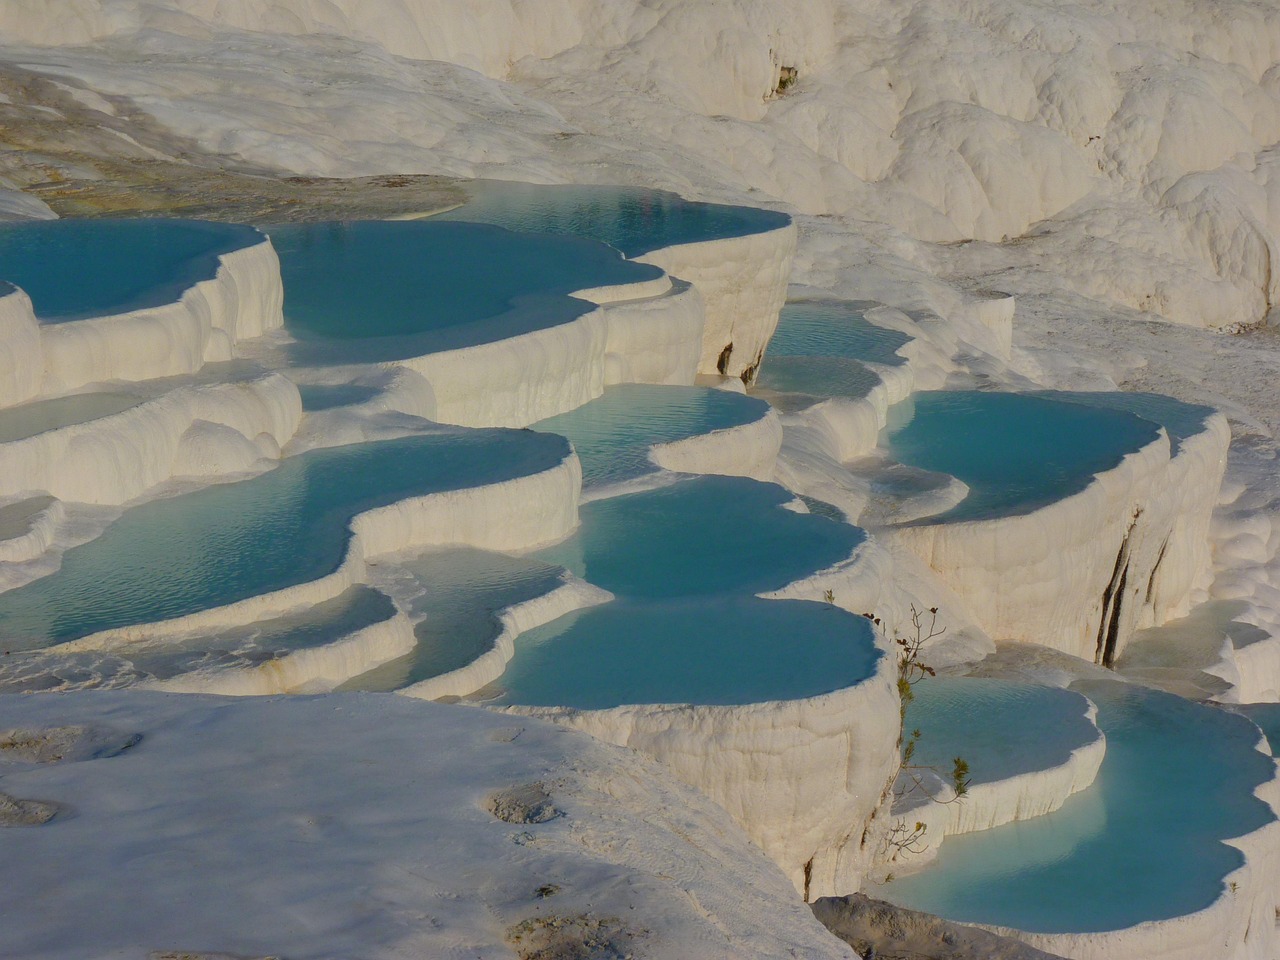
(383, 290)
(1016, 451)
(73, 269)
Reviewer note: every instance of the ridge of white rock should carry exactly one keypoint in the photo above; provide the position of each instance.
(743, 283)
(990, 803)
(317, 669)
(21, 356)
(572, 594)
(793, 774)
(746, 450)
(243, 300)
(203, 429)
(1144, 522)
(641, 335)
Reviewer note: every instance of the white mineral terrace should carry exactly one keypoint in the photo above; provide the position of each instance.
(1016, 197)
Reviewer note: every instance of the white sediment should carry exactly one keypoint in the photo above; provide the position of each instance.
(317, 669)
(205, 429)
(743, 283)
(746, 450)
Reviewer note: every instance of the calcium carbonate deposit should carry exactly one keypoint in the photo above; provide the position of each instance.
(803, 450)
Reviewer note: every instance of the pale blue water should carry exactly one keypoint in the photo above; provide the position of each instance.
(29, 419)
(718, 650)
(614, 432)
(834, 328)
(635, 220)
(229, 648)
(73, 269)
(684, 562)
(232, 541)
(1016, 451)
(462, 591)
(1143, 843)
(817, 377)
(412, 287)
(700, 537)
(1002, 728)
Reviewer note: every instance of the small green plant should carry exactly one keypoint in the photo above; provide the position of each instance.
(902, 835)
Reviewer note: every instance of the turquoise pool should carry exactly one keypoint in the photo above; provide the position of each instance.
(817, 377)
(684, 562)
(614, 432)
(635, 220)
(1016, 452)
(718, 650)
(1180, 420)
(834, 328)
(229, 542)
(406, 288)
(700, 537)
(1001, 728)
(1143, 843)
(73, 269)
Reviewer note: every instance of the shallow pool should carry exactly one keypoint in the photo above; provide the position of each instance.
(613, 433)
(698, 537)
(413, 287)
(455, 594)
(817, 377)
(718, 650)
(684, 562)
(1001, 728)
(73, 269)
(240, 648)
(635, 220)
(1016, 452)
(834, 328)
(1143, 843)
(30, 419)
(229, 542)
(1180, 420)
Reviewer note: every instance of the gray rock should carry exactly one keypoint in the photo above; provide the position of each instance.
(881, 930)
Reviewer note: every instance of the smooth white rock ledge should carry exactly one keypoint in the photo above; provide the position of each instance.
(542, 373)
(207, 430)
(1041, 576)
(743, 282)
(260, 817)
(1032, 793)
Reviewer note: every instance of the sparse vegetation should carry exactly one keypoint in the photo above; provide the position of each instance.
(904, 835)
